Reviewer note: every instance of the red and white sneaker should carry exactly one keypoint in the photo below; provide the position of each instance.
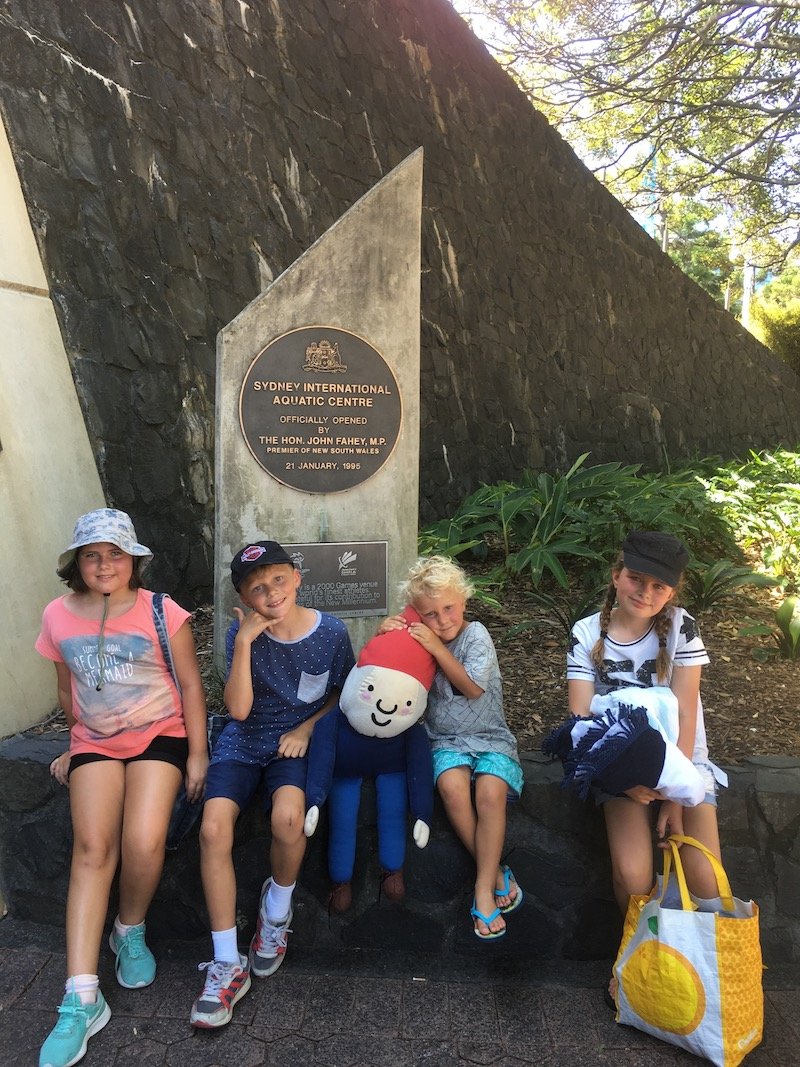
(226, 983)
(268, 947)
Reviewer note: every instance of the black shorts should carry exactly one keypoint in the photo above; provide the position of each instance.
(174, 750)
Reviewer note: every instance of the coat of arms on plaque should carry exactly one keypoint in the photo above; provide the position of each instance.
(324, 356)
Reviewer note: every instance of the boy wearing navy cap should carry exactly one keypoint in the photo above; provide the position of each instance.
(286, 665)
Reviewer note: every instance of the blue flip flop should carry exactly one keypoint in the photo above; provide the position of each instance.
(485, 919)
(508, 878)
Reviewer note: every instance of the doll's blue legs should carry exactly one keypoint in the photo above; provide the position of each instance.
(392, 800)
(343, 802)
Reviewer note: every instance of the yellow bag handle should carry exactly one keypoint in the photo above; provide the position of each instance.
(670, 855)
(723, 884)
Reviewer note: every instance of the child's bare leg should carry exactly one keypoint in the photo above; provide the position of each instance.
(701, 822)
(216, 861)
(288, 840)
(97, 792)
(455, 789)
(490, 804)
(150, 790)
(630, 841)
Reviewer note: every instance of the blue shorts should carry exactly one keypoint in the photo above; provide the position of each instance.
(495, 763)
(238, 782)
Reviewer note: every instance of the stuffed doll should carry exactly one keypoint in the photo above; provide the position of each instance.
(629, 740)
(375, 732)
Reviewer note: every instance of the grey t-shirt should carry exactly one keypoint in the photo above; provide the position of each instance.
(461, 725)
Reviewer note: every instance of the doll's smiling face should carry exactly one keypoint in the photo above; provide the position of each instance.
(381, 702)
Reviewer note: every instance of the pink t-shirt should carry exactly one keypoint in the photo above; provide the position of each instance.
(138, 700)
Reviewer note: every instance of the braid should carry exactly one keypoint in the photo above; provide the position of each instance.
(663, 623)
(663, 661)
(605, 618)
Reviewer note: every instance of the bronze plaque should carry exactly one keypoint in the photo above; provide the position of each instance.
(320, 409)
(348, 578)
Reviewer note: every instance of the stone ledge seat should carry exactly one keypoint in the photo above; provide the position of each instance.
(555, 844)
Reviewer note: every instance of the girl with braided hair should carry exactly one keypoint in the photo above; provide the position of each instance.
(642, 638)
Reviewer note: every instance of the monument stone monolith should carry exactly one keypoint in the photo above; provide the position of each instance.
(318, 412)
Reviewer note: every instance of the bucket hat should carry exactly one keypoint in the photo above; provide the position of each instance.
(104, 524)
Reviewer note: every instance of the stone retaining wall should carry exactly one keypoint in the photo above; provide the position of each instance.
(555, 844)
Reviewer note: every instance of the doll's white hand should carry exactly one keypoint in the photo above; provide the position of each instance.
(421, 833)
(312, 818)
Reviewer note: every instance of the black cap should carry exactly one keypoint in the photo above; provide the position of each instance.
(257, 554)
(657, 554)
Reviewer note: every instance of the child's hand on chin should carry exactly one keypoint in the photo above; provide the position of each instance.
(252, 625)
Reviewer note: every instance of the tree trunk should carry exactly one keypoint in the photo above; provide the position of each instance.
(748, 289)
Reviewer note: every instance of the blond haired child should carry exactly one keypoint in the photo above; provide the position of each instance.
(475, 761)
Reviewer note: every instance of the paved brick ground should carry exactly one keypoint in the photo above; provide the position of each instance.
(355, 1011)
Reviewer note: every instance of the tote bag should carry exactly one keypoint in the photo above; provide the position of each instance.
(688, 977)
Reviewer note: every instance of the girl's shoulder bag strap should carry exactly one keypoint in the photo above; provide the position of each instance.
(160, 623)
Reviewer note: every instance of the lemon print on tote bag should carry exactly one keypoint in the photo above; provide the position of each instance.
(663, 987)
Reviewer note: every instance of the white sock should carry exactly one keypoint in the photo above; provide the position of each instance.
(85, 985)
(121, 930)
(278, 902)
(226, 945)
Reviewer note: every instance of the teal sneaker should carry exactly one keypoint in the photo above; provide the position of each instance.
(66, 1042)
(136, 964)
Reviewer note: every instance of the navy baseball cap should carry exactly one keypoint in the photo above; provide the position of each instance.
(257, 554)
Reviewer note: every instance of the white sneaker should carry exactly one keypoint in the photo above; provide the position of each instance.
(268, 947)
(225, 985)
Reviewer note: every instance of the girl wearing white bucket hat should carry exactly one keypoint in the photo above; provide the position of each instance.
(136, 731)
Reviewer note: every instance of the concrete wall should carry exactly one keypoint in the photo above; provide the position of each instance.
(176, 157)
(48, 474)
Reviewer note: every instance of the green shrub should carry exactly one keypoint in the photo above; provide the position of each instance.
(776, 314)
(786, 634)
(707, 587)
(551, 528)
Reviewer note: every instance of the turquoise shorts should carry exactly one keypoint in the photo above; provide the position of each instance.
(482, 763)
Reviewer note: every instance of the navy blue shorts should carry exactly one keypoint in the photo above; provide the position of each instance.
(238, 782)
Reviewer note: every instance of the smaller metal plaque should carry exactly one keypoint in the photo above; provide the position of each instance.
(347, 578)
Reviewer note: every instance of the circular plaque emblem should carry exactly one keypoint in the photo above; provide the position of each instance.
(320, 409)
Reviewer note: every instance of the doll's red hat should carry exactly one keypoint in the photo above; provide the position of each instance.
(398, 651)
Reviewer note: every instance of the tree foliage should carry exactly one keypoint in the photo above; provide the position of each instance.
(777, 316)
(703, 252)
(705, 95)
